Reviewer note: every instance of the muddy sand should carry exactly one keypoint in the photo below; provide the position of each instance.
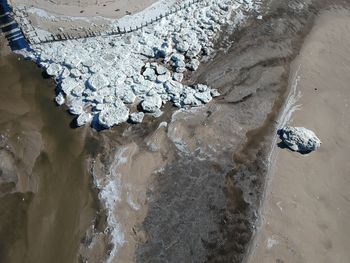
(306, 213)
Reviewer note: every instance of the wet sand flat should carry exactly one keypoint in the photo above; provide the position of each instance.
(305, 217)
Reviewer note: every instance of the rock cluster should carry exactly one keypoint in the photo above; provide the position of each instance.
(299, 139)
(107, 77)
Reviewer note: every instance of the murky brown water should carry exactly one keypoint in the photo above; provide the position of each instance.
(48, 204)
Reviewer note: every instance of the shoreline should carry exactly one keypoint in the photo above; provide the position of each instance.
(158, 176)
(271, 241)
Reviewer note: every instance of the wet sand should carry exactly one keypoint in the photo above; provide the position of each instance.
(46, 201)
(306, 213)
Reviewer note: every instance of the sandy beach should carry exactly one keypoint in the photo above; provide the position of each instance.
(306, 212)
(184, 183)
(89, 8)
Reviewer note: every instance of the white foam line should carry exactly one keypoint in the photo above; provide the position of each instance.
(109, 195)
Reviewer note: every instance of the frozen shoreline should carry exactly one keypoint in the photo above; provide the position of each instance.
(105, 80)
(102, 80)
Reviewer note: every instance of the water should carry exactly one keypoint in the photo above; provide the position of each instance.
(47, 216)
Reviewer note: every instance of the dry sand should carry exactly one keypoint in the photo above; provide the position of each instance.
(105, 8)
(306, 212)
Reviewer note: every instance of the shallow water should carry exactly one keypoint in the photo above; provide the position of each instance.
(44, 217)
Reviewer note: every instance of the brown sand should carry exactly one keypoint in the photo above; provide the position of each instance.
(86, 8)
(306, 212)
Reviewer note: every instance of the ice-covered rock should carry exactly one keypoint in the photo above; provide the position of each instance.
(193, 64)
(68, 84)
(182, 46)
(75, 73)
(151, 103)
(59, 99)
(190, 100)
(127, 96)
(97, 81)
(214, 93)
(164, 50)
(204, 97)
(147, 51)
(194, 50)
(160, 69)
(178, 77)
(174, 88)
(75, 106)
(113, 114)
(201, 87)
(137, 117)
(163, 78)
(54, 69)
(149, 74)
(84, 118)
(177, 57)
(299, 139)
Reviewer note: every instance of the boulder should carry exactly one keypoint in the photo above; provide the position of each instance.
(194, 50)
(190, 100)
(75, 73)
(164, 50)
(54, 69)
(127, 96)
(84, 118)
(161, 70)
(177, 57)
(75, 105)
(151, 103)
(299, 139)
(137, 117)
(97, 81)
(163, 78)
(147, 51)
(113, 114)
(178, 77)
(201, 87)
(59, 99)
(149, 74)
(193, 64)
(68, 84)
(204, 97)
(173, 87)
(214, 93)
(182, 46)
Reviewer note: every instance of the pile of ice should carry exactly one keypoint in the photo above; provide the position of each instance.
(110, 80)
(299, 139)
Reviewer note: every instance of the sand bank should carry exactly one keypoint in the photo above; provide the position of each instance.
(305, 217)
